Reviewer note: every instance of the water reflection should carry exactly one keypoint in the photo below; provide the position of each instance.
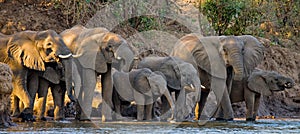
(70, 126)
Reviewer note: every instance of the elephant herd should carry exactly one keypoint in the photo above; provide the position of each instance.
(71, 61)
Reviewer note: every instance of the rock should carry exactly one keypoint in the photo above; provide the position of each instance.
(6, 88)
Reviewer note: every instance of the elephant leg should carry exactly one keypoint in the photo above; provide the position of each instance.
(87, 93)
(249, 100)
(33, 87)
(171, 103)
(201, 104)
(15, 106)
(219, 114)
(107, 88)
(42, 96)
(165, 107)
(140, 112)
(256, 106)
(225, 110)
(149, 108)
(117, 106)
(226, 106)
(22, 93)
(58, 93)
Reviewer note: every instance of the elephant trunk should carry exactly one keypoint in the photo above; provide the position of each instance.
(124, 56)
(237, 64)
(67, 63)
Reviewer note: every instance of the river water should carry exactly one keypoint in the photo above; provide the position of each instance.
(237, 126)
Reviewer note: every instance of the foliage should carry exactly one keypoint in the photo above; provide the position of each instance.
(228, 17)
(272, 19)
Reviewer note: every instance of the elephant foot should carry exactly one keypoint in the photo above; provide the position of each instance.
(42, 119)
(60, 119)
(250, 119)
(118, 117)
(171, 120)
(15, 114)
(222, 119)
(85, 120)
(27, 115)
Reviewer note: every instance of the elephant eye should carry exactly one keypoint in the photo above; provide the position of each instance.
(49, 44)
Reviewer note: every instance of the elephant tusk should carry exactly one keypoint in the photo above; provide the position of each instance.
(118, 58)
(65, 56)
(192, 86)
(203, 87)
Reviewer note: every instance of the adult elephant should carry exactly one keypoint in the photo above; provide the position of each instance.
(96, 51)
(27, 53)
(219, 60)
(181, 78)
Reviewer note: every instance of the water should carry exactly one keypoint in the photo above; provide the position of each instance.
(239, 126)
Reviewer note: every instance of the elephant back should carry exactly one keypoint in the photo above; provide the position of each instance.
(166, 65)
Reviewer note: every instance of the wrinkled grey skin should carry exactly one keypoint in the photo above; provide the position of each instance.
(95, 52)
(142, 86)
(26, 53)
(219, 60)
(259, 83)
(181, 78)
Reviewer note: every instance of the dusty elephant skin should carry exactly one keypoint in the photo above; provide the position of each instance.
(142, 86)
(6, 88)
(219, 60)
(26, 53)
(181, 78)
(259, 83)
(96, 51)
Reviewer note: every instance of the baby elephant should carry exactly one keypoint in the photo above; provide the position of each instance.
(258, 83)
(142, 86)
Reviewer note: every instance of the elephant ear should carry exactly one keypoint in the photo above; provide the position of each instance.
(88, 51)
(172, 73)
(202, 52)
(51, 75)
(139, 81)
(157, 83)
(22, 48)
(258, 84)
(253, 52)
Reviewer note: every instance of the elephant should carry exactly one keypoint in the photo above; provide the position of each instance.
(26, 53)
(219, 60)
(181, 78)
(96, 51)
(52, 78)
(250, 90)
(143, 87)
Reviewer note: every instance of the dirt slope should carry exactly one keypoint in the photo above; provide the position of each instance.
(18, 15)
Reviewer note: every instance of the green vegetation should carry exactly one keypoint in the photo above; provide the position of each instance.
(273, 19)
